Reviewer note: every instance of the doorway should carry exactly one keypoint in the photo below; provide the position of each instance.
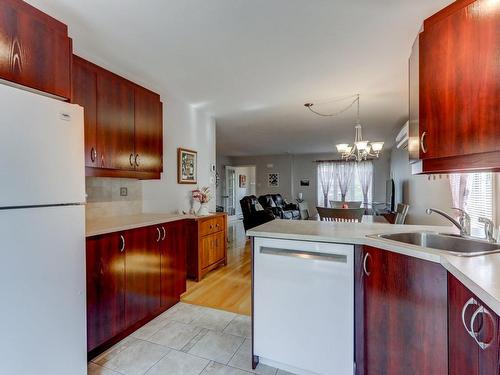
(240, 182)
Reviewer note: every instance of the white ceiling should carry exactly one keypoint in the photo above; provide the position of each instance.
(254, 63)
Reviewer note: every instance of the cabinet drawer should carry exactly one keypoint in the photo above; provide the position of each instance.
(207, 226)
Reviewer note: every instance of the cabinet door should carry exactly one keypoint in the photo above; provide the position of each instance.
(142, 274)
(463, 350)
(177, 231)
(405, 315)
(460, 82)
(148, 131)
(168, 293)
(219, 251)
(105, 264)
(207, 244)
(36, 50)
(85, 94)
(413, 115)
(115, 122)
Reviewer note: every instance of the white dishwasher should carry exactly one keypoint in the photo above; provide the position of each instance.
(304, 306)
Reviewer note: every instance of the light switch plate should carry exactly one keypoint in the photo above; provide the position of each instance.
(123, 191)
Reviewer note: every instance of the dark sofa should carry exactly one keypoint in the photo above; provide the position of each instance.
(252, 217)
(279, 207)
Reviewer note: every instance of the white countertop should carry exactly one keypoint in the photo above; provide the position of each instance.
(481, 274)
(127, 222)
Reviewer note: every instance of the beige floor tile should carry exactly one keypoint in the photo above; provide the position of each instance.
(213, 319)
(241, 325)
(178, 363)
(182, 313)
(148, 330)
(136, 358)
(175, 335)
(283, 372)
(217, 346)
(215, 368)
(114, 350)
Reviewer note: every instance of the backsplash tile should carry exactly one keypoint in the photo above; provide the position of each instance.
(104, 199)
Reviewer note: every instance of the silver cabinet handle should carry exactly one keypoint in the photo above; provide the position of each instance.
(136, 160)
(122, 243)
(340, 258)
(164, 233)
(470, 302)
(484, 311)
(130, 160)
(365, 259)
(422, 142)
(159, 234)
(93, 155)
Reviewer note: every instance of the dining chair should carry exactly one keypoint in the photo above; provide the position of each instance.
(350, 204)
(341, 215)
(401, 212)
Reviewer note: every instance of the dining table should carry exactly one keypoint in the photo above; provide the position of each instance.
(367, 219)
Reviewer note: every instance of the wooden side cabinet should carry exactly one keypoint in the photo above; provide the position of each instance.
(207, 245)
(36, 50)
(401, 314)
(473, 333)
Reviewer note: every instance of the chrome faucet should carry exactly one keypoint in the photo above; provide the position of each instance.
(489, 229)
(463, 224)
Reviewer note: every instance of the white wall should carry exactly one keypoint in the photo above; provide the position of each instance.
(250, 189)
(419, 191)
(183, 126)
(221, 162)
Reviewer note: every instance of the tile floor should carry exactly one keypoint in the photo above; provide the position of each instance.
(185, 340)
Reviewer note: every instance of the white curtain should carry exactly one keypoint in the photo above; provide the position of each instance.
(345, 172)
(326, 176)
(365, 174)
(460, 185)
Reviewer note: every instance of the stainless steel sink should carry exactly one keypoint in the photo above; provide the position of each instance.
(453, 244)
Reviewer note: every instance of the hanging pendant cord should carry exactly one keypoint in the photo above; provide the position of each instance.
(356, 100)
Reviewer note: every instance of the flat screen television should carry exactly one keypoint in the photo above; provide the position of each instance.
(390, 195)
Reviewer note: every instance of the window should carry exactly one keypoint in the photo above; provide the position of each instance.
(474, 192)
(354, 190)
(480, 201)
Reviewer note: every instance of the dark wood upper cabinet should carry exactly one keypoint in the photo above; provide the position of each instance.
(148, 131)
(403, 328)
(85, 94)
(123, 124)
(469, 318)
(105, 262)
(142, 274)
(459, 89)
(115, 119)
(35, 50)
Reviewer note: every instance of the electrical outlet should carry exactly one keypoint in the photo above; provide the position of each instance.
(123, 192)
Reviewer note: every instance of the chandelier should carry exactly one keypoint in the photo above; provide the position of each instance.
(361, 149)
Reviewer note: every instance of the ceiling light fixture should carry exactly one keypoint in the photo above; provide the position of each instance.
(360, 149)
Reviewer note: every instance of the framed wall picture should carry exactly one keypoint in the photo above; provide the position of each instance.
(187, 169)
(273, 179)
(304, 182)
(243, 181)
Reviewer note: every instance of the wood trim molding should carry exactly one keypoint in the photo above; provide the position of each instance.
(103, 172)
(483, 162)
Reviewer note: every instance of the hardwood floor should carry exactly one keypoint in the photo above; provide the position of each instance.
(227, 288)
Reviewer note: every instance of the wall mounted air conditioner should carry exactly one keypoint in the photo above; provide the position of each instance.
(402, 137)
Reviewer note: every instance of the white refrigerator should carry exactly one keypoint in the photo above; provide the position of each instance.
(42, 236)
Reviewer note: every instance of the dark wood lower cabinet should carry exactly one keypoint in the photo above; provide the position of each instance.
(132, 277)
(142, 274)
(469, 318)
(105, 289)
(403, 328)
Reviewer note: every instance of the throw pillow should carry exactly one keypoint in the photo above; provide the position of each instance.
(258, 207)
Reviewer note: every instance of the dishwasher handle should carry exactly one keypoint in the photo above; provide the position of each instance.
(339, 258)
